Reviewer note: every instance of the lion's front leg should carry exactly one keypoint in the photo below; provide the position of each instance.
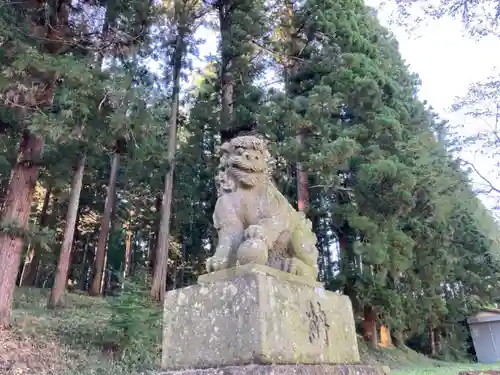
(229, 238)
(230, 235)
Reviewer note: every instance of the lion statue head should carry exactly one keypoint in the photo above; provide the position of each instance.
(244, 163)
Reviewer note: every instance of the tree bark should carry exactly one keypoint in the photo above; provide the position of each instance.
(16, 211)
(4, 184)
(103, 278)
(95, 287)
(83, 270)
(398, 338)
(57, 292)
(159, 284)
(30, 267)
(128, 254)
(153, 242)
(432, 338)
(226, 74)
(385, 336)
(302, 181)
(370, 326)
(438, 340)
(291, 70)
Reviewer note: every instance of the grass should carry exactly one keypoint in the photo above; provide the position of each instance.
(118, 336)
(84, 338)
(447, 369)
(404, 361)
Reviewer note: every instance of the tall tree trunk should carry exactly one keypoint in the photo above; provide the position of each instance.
(370, 326)
(83, 269)
(16, 212)
(57, 292)
(398, 338)
(302, 181)
(103, 278)
(17, 203)
(4, 184)
(158, 286)
(153, 242)
(106, 283)
(30, 268)
(226, 74)
(152, 248)
(438, 340)
(291, 71)
(212, 200)
(347, 263)
(385, 336)
(128, 254)
(38, 274)
(431, 337)
(183, 265)
(77, 234)
(95, 287)
(76, 239)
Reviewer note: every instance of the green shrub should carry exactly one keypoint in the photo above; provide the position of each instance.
(135, 325)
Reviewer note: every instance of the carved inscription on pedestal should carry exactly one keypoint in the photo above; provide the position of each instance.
(318, 324)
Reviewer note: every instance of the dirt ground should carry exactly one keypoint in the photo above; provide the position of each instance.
(20, 356)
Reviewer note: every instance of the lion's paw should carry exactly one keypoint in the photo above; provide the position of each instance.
(253, 251)
(254, 232)
(214, 264)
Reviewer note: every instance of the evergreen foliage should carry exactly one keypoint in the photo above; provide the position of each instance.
(400, 229)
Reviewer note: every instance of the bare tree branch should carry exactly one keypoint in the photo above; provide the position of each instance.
(490, 185)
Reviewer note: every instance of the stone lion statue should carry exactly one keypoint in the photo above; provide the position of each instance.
(254, 221)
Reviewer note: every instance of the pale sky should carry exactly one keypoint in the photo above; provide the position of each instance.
(447, 62)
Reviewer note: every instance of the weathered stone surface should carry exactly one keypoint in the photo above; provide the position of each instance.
(259, 317)
(254, 221)
(231, 273)
(287, 370)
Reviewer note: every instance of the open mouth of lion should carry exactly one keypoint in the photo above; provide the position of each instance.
(245, 165)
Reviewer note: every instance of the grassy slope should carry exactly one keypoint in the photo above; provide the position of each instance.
(409, 362)
(71, 341)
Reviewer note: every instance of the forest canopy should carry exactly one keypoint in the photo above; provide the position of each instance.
(109, 140)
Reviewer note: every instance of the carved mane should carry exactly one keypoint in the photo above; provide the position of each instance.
(247, 160)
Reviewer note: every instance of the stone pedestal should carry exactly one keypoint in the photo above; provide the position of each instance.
(287, 370)
(257, 315)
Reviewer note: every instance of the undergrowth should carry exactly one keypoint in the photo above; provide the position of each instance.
(112, 335)
(122, 335)
(135, 326)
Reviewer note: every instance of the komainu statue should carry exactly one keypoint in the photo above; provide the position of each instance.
(254, 221)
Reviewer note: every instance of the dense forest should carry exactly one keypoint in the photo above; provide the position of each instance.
(110, 124)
